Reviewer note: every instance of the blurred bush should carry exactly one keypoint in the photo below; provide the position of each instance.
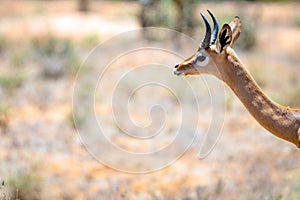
(91, 40)
(25, 185)
(174, 14)
(297, 20)
(4, 117)
(247, 39)
(56, 56)
(250, 24)
(83, 5)
(11, 82)
(3, 43)
(293, 99)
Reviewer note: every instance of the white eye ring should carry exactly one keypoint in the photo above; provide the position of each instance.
(203, 63)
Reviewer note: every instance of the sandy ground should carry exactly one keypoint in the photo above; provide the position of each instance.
(37, 133)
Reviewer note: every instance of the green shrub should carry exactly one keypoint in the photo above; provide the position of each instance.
(12, 81)
(292, 98)
(25, 185)
(247, 39)
(18, 58)
(297, 21)
(3, 43)
(294, 186)
(177, 15)
(56, 56)
(278, 197)
(49, 45)
(91, 40)
(4, 109)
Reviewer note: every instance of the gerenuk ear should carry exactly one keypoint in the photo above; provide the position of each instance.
(235, 26)
(224, 39)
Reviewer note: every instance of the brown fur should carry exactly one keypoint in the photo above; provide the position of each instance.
(283, 122)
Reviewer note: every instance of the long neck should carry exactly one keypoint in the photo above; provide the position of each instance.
(279, 120)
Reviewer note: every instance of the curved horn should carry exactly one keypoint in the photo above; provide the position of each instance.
(206, 40)
(216, 28)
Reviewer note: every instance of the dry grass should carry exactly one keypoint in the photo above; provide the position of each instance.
(247, 163)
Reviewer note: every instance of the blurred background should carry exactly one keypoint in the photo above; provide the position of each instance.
(42, 45)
